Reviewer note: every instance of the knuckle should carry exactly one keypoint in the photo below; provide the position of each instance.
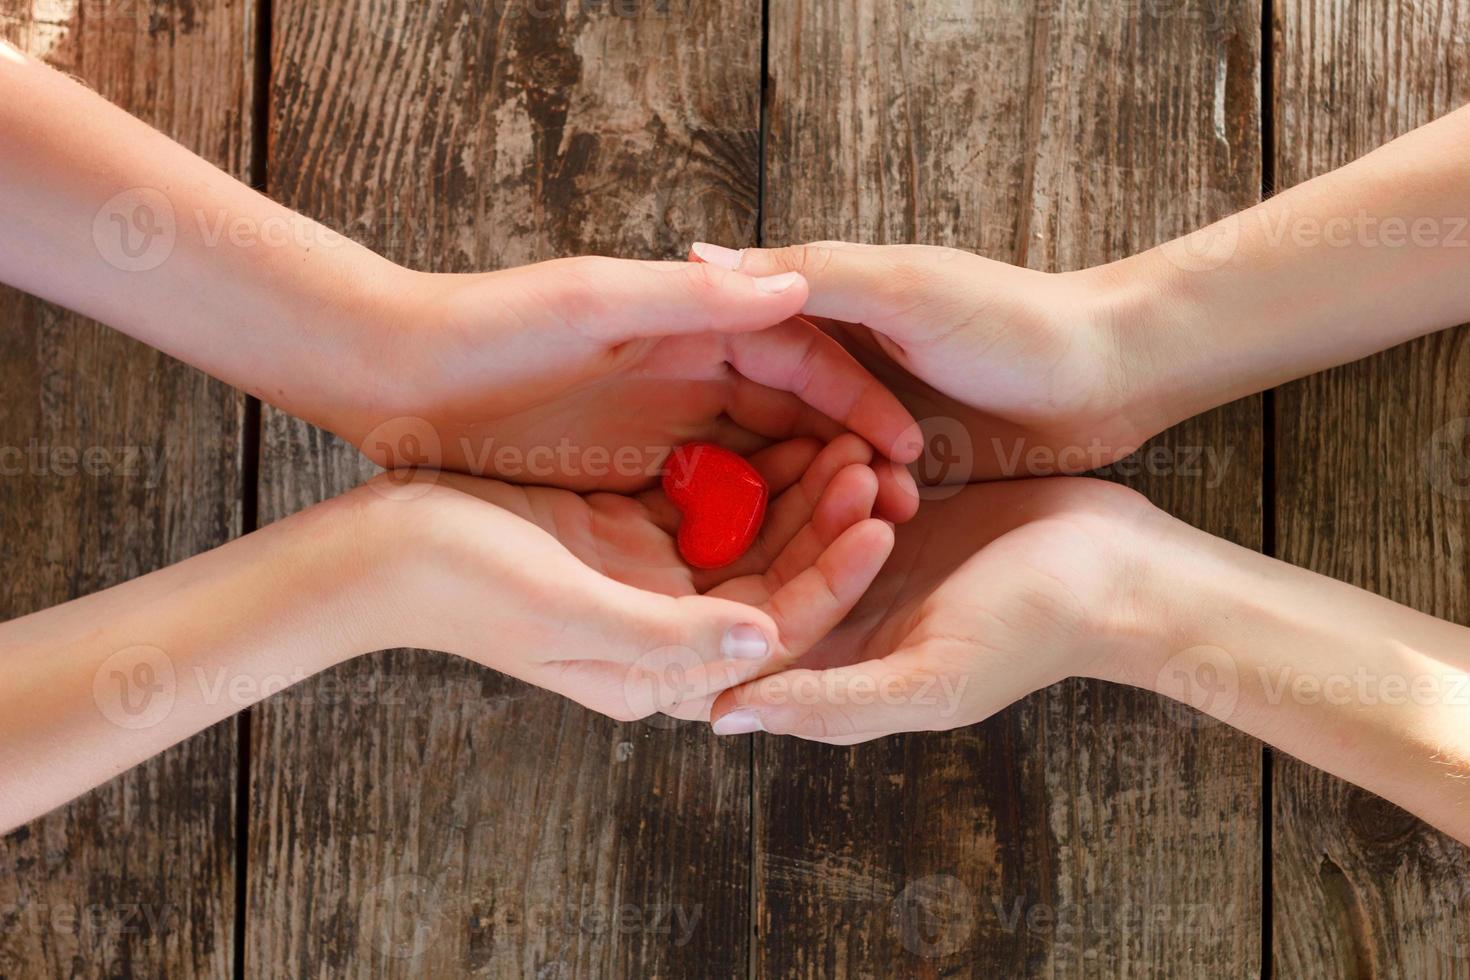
(814, 259)
(705, 278)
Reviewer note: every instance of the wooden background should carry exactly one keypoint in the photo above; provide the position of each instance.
(414, 816)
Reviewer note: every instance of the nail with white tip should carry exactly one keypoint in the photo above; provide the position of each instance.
(777, 284)
(740, 722)
(745, 643)
(719, 256)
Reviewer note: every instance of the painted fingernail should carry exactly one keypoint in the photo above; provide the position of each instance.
(741, 722)
(719, 255)
(745, 643)
(777, 284)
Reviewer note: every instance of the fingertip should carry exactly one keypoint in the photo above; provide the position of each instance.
(783, 465)
(909, 445)
(856, 557)
(848, 499)
(898, 494)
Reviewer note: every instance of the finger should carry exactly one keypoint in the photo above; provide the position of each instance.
(616, 300)
(663, 651)
(844, 705)
(776, 414)
(797, 357)
(780, 415)
(847, 502)
(791, 511)
(875, 286)
(898, 493)
(813, 602)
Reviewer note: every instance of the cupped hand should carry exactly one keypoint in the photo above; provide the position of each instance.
(587, 595)
(584, 373)
(996, 592)
(1026, 363)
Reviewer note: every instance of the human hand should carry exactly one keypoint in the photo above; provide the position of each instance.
(1023, 360)
(584, 373)
(587, 595)
(996, 592)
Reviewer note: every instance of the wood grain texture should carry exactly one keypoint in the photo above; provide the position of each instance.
(1372, 491)
(137, 877)
(416, 816)
(1091, 830)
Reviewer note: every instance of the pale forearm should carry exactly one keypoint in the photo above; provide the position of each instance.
(93, 687)
(1349, 682)
(1353, 262)
(111, 218)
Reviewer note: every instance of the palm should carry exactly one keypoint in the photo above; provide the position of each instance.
(1008, 568)
(817, 493)
(991, 595)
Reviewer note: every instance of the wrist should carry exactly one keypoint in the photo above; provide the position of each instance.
(1167, 575)
(1148, 319)
(351, 568)
(355, 325)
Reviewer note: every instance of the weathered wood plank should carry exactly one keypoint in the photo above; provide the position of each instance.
(1090, 830)
(137, 877)
(1373, 459)
(416, 816)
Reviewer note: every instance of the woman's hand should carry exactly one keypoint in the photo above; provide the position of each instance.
(1062, 373)
(587, 596)
(1027, 363)
(996, 592)
(584, 373)
(1007, 588)
(578, 373)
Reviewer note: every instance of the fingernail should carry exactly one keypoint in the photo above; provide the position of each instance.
(719, 255)
(777, 284)
(741, 722)
(744, 643)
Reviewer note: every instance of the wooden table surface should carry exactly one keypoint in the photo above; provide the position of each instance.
(410, 815)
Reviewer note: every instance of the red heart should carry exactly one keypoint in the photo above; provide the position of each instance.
(723, 500)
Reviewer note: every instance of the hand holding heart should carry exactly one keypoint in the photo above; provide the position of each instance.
(588, 596)
(601, 357)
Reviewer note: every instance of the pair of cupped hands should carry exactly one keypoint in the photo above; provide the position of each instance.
(533, 537)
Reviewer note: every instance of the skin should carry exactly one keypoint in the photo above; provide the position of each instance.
(1088, 365)
(1006, 588)
(445, 379)
(582, 595)
(581, 373)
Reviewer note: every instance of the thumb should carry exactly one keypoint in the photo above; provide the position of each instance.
(850, 704)
(616, 300)
(874, 285)
(671, 651)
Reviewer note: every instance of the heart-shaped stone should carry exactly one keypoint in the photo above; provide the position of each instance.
(723, 500)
